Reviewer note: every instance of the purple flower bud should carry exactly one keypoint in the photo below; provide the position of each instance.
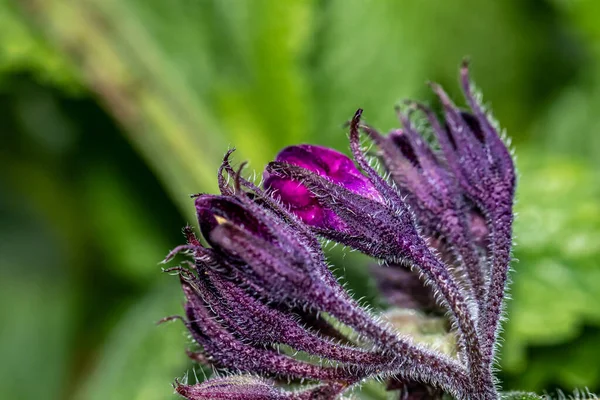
(265, 251)
(335, 166)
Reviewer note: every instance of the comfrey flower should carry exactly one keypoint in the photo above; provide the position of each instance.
(264, 309)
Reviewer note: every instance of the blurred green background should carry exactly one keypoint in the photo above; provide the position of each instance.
(113, 111)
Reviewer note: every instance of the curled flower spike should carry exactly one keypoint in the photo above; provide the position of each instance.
(484, 168)
(461, 199)
(261, 301)
(386, 231)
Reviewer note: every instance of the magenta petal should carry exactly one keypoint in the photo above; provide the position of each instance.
(302, 203)
(338, 167)
(303, 156)
(330, 163)
(292, 193)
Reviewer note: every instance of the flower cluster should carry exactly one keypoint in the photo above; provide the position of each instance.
(264, 309)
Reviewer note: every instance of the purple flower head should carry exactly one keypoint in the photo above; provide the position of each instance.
(263, 282)
(260, 292)
(329, 163)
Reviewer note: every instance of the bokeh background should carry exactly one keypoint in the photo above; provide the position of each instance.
(113, 111)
